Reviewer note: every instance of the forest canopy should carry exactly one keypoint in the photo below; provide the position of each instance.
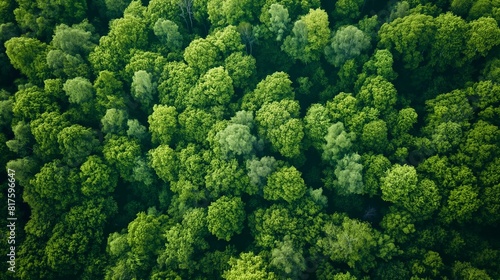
(238, 139)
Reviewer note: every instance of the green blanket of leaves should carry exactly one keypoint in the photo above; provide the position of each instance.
(240, 139)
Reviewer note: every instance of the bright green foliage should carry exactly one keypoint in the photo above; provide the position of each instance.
(109, 92)
(380, 64)
(409, 37)
(279, 20)
(461, 204)
(114, 121)
(352, 242)
(125, 33)
(225, 217)
(349, 175)
(184, 239)
(168, 33)
(163, 160)
(449, 41)
(240, 68)
(76, 239)
(447, 136)
(481, 144)
(45, 130)
(399, 225)
(248, 267)
(449, 107)
(97, 178)
(215, 87)
(76, 143)
(28, 55)
(30, 103)
(227, 40)
(177, 82)
(400, 186)
(285, 183)
(287, 259)
(271, 224)
(226, 177)
(151, 62)
(202, 55)
(310, 36)
(121, 153)
(342, 108)
(338, 142)
(374, 136)
(278, 122)
(196, 123)
(374, 165)
(274, 87)
(378, 93)
(483, 35)
(316, 124)
(55, 186)
(347, 43)
(162, 124)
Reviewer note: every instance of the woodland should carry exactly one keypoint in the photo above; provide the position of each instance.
(241, 139)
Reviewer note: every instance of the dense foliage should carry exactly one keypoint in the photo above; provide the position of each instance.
(238, 139)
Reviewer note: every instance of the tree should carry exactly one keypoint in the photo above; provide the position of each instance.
(338, 142)
(259, 169)
(400, 185)
(483, 35)
(163, 160)
(168, 33)
(241, 69)
(374, 136)
(449, 41)
(461, 204)
(279, 20)
(178, 79)
(31, 102)
(137, 130)
(409, 38)
(480, 144)
(248, 266)
(75, 40)
(236, 140)
(202, 55)
(109, 92)
(287, 259)
(45, 130)
(215, 87)
(76, 143)
(348, 10)
(274, 87)
(278, 122)
(374, 165)
(114, 121)
(23, 139)
(378, 93)
(225, 217)
(316, 124)
(121, 152)
(143, 89)
(227, 178)
(347, 43)
(310, 36)
(98, 179)
(352, 242)
(79, 90)
(349, 175)
(163, 124)
(285, 183)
